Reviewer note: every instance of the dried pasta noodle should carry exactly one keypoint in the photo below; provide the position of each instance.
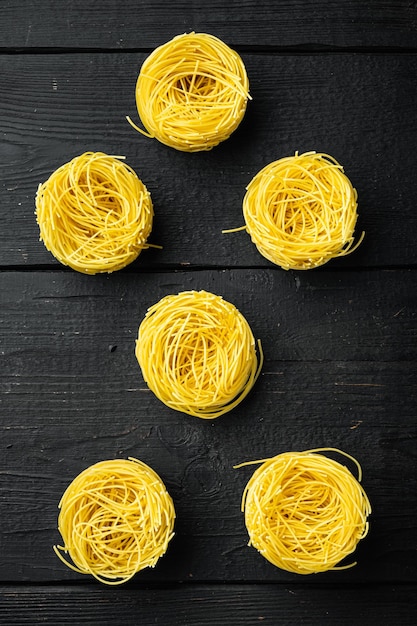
(197, 353)
(191, 92)
(305, 512)
(301, 211)
(116, 518)
(94, 213)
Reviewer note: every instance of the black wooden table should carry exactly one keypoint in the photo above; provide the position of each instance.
(340, 341)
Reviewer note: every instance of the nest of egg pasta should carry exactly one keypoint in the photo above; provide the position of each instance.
(197, 353)
(304, 511)
(191, 92)
(116, 518)
(94, 213)
(301, 211)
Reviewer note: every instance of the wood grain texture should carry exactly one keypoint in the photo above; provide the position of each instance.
(340, 342)
(337, 373)
(200, 605)
(148, 23)
(358, 108)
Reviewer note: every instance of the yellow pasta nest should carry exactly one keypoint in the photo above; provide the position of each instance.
(197, 353)
(116, 518)
(300, 211)
(191, 92)
(94, 213)
(305, 512)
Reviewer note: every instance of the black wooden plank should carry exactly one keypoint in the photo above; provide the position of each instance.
(340, 370)
(306, 317)
(147, 23)
(50, 436)
(340, 343)
(358, 108)
(197, 605)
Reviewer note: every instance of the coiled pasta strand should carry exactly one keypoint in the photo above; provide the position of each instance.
(94, 213)
(301, 211)
(305, 512)
(197, 353)
(192, 92)
(116, 518)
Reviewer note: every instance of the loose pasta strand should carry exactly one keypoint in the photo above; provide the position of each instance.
(116, 518)
(301, 211)
(94, 213)
(305, 512)
(192, 92)
(197, 354)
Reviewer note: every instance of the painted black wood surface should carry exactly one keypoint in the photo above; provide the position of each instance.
(339, 342)
(360, 108)
(106, 24)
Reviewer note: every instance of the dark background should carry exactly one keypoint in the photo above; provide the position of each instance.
(340, 341)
